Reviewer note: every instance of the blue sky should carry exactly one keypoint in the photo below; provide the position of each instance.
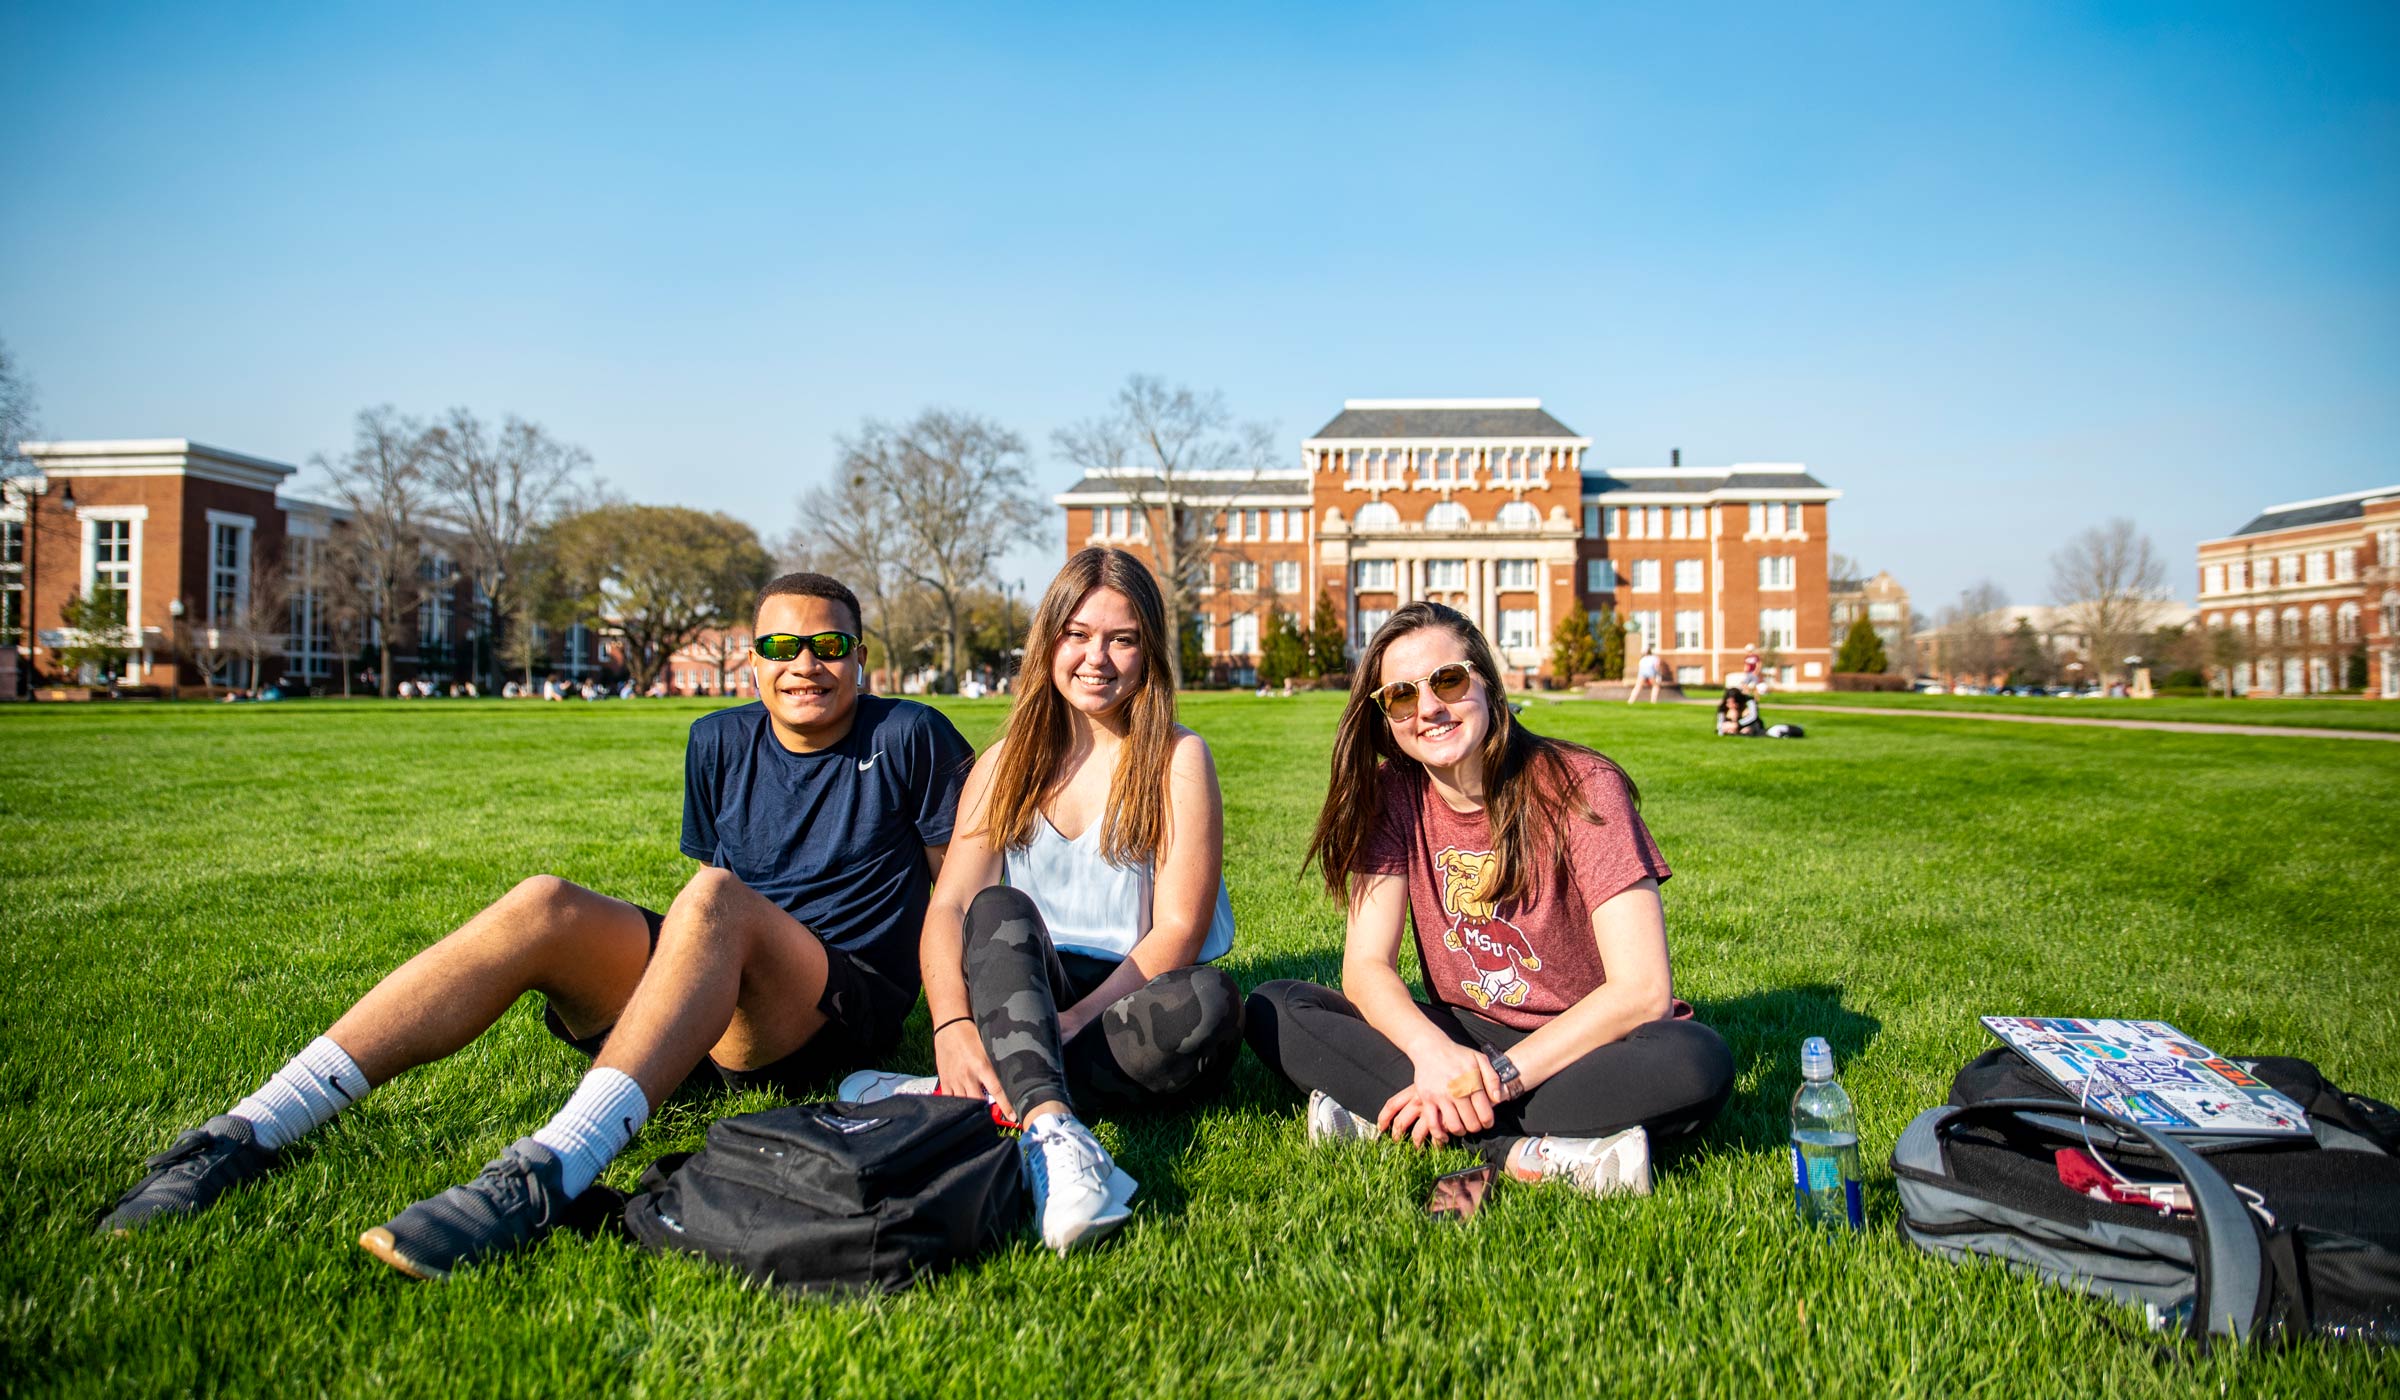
(1997, 272)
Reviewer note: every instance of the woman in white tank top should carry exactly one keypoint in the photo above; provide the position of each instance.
(1065, 951)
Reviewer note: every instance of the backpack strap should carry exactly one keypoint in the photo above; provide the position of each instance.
(2228, 1263)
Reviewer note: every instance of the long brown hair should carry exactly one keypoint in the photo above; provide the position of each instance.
(1526, 776)
(1034, 745)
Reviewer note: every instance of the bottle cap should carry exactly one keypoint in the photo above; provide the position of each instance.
(1816, 1058)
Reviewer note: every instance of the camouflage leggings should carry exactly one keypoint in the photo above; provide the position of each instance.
(1176, 1035)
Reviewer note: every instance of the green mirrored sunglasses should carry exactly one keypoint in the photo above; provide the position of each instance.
(785, 646)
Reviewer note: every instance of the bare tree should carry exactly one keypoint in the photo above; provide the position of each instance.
(2227, 647)
(962, 495)
(382, 484)
(16, 415)
(260, 625)
(1971, 638)
(1159, 442)
(852, 530)
(2108, 581)
(497, 490)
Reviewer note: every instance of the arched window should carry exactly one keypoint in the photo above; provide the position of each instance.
(1520, 515)
(2291, 631)
(2347, 622)
(2241, 623)
(1446, 515)
(2320, 624)
(2391, 616)
(1378, 515)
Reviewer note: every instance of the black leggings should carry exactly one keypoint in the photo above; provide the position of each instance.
(1670, 1077)
(1177, 1034)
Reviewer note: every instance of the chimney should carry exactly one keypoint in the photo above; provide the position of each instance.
(1675, 457)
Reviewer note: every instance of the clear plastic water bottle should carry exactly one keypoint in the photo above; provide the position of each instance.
(1824, 1143)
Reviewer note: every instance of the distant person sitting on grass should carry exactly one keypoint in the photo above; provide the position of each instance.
(1553, 1043)
(1737, 715)
(1067, 973)
(819, 816)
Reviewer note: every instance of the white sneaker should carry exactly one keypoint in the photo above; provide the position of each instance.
(1329, 1122)
(1608, 1166)
(868, 1085)
(1080, 1194)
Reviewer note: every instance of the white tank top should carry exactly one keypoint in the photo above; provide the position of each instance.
(1092, 906)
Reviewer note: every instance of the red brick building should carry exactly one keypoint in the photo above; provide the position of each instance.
(1490, 506)
(166, 524)
(2307, 589)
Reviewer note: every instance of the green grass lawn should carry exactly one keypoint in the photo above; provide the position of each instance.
(191, 893)
(2298, 713)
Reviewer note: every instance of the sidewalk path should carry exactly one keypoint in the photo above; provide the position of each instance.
(2180, 726)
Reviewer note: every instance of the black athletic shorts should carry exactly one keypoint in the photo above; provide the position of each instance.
(863, 1012)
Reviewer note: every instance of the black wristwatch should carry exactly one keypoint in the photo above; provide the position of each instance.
(1504, 1068)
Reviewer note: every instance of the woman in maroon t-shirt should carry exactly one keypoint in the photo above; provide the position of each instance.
(1553, 1042)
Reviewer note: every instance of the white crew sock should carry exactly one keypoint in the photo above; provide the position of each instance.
(318, 1083)
(606, 1110)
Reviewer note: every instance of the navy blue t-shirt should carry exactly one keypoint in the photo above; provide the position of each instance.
(836, 837)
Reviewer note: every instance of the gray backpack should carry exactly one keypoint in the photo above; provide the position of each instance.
(1981, 1179)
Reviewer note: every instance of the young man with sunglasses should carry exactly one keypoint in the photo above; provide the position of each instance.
(819, 815)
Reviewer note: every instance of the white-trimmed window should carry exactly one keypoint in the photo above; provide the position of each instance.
(1245, 634)
(1616, 522)
(228, 567)
(2347, 622)
(1250, 525)
(1378, 515)
(1369, 620)
(1241, 576)
(1679, 523)
(433, 614)
(1689, 576)
(2237, 575)
(2387, 548)
(1446, 515)
(12, 581)
(1287, 576)
(1777, 571)
(1778, 627)
(2345, 566)
(2212, 579)
(1519, 573)
(1645, 575)
(2320, 566)
(2320, 624)
(1296, 523)
(1275, 526)
(2291, 624)
(1376, 575)
(1792, 519)
(1658, 522)
(1687, 629)
(1691, 675)
(1449, 575)
(2287, 570)
(1205, 628)
(1591, 522)
(112, 552)
(1519, 629)
(1520, 515)
(1648, 624)
(1600, 575)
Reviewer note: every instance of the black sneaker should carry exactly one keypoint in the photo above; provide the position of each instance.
(515, 1201)
(200, 1166)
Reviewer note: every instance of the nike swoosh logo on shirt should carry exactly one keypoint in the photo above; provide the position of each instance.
(866, 763)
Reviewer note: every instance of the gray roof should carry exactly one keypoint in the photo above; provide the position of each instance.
(1601, 483)
(1445, 423)
(1155, 488)
(2309, 513)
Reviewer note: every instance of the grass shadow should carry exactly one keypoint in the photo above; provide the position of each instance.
(1764, 1030)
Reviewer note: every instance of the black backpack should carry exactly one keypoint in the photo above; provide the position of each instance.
(2318, 1255)
(825, 1196)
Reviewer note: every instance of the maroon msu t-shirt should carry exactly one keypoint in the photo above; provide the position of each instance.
(1522, 962)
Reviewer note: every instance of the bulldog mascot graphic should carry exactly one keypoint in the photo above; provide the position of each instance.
(1497, 948)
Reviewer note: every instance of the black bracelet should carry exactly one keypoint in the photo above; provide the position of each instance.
(937, 1030)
